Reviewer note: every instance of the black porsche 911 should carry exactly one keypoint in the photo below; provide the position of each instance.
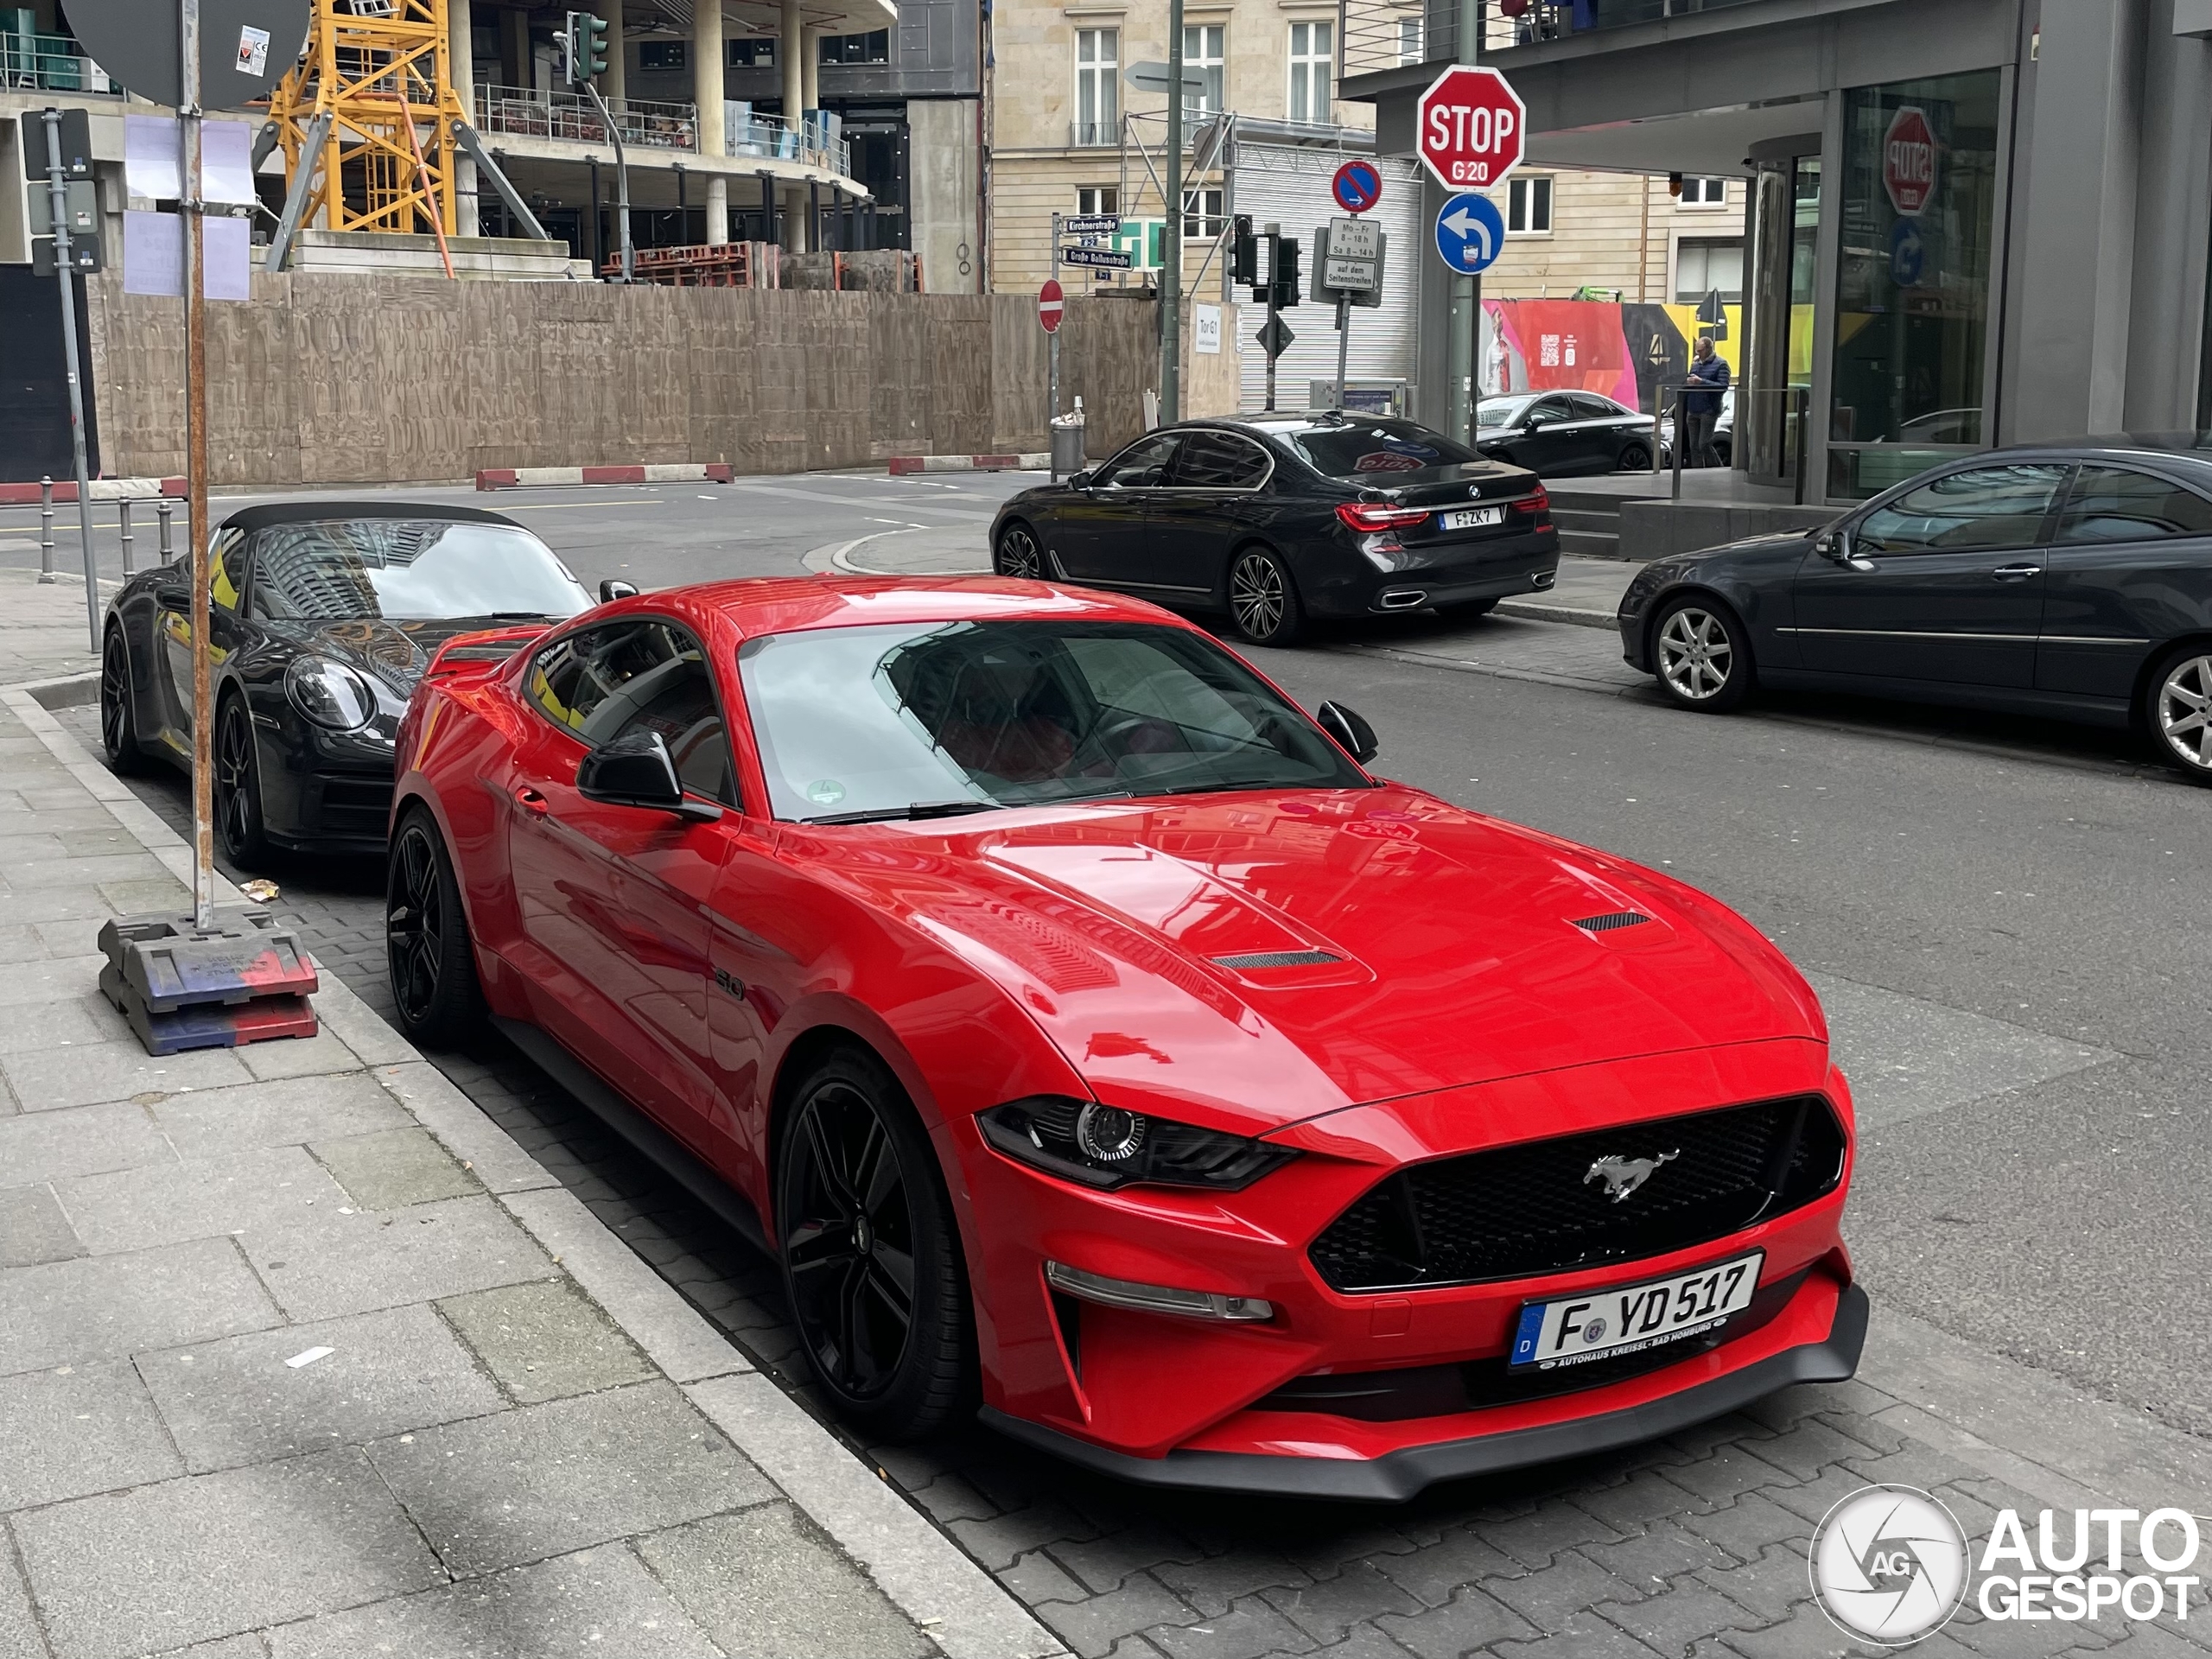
(2073, 580)
(324, 614)
(1278, 518)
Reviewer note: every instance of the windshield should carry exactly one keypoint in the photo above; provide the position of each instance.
(876, 720)
(1499, 411)
(1357, 449)
(408, 570)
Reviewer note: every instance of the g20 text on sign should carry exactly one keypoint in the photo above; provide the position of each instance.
(1471, 126)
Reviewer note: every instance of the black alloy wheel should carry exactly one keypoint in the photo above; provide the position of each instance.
(1263, 598)
(1018, 554)
(1635, 458)
(870, 1253)
(118, 726)
(432, 964)
(237, 786)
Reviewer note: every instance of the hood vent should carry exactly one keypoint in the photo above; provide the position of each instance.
(1281, 958)
(1610, 920)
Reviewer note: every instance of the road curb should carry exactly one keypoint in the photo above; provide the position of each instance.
(1027, 462)
(101, 489)
(521, 478)
(1534, 610)
(926, 1575)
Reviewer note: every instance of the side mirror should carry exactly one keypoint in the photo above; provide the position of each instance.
(610, 590)
(1835, 544)
(636, 770)
(1534, 427)
(1079, 481)
(1353, 734)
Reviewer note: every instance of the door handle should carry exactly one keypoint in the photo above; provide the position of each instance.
(2016, 572)
(530, 800)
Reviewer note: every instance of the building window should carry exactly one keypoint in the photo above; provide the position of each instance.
(1312, 63)
(1098, 199)
(1202, 214)
(1705, 193)
(749, 54)
(1528, 207)
(1206, 52)
(874, 47)
(1704, 264)
(1097, 86)
(1409, 46)
(660, 54)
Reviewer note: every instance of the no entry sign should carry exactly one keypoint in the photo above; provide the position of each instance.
(1471, 126)
(1049, 306)
(1909, 162)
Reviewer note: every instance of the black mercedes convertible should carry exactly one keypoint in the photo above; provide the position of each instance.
(324, 614)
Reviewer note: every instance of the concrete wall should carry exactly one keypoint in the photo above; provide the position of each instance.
(941, 195)
(330, 379)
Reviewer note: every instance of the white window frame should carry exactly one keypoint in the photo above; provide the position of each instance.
(1410, 30)
(1316, 67)
(1522, 193)
(1704, 201)
(1091, 199)
(1203, 211)
(1099, 75)
(1205, 50)
(1704, 244)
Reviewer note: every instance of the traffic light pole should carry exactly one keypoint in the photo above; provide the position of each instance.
(1275, 252)
(621, 182)
(1170, 258)
(65, 267)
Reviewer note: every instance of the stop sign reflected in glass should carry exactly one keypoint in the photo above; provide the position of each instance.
(1909, 162)
(1471, 127)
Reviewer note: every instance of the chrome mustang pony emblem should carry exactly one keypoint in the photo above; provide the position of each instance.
(1622, 1176)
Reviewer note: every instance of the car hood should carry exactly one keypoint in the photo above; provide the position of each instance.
(1254, 960)
(394, 652)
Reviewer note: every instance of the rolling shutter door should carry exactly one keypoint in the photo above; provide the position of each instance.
(1291, 187)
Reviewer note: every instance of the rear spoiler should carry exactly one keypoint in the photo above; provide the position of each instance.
(480, 653)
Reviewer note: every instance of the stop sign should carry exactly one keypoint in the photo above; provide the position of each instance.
(1909, 162)
(1470, 125)
(1049, 305)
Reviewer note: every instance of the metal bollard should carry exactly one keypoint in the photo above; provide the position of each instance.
(162, 509)
(123, 528)
(46, 530)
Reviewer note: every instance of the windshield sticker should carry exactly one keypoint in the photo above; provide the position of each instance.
(825, 791)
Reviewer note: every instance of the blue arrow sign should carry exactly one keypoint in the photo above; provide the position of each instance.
(1470, 234)
(1908, 253)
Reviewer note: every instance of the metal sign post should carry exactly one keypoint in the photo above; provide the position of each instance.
(65, 268)
(191, 209)
(1170, 258)
(1348, 269)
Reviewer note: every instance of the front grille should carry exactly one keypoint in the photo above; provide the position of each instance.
(356, 803)
(1542, 1207)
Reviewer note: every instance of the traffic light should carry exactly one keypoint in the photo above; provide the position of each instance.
(583, 48)
(1245, 254)
(1285, 292)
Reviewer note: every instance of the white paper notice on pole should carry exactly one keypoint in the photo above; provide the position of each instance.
(227, 161)
(253, 51)
(230, 259)
(149, 158)
(1205, 330)
(153, 251)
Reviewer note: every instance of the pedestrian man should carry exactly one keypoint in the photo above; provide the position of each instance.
(1701, 403)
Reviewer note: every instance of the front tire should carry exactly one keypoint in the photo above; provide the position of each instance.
(427, 948)
(1702, 655)
(2177, 711)
(1634, 458)
(871, 1254)
(118, 714)
(1018, 554)
(237, 787)
(1263, 602)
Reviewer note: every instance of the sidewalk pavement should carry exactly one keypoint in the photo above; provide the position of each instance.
(301, 1355)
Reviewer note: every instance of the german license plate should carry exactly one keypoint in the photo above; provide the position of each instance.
(1606, 1324)
(1472, 517)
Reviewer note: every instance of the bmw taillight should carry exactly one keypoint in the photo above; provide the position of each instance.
(1537, 503)
(1369, 516)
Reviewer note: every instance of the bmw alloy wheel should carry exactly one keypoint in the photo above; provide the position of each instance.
(1695, 654)
(848, 1239)
(415, 923)
(2183, 705)
(1018, 554)
(1257, 595)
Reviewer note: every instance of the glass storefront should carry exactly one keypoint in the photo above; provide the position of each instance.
(1917, 189)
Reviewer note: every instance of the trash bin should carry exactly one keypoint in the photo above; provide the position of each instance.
(1067, 444)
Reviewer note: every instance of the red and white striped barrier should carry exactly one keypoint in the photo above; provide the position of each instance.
(523, 478)
(1021, 463)
(104, 489)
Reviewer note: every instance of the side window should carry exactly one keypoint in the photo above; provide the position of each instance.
(1142, 465)
(1551, 408)
(1985, 506)
(227, 571)
(1588, 408)
(2110, 503)
(601, 683)
(1218, 461)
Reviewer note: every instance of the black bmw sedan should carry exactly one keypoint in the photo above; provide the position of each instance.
(1277, 519)
(2073, 580)
(324, 614)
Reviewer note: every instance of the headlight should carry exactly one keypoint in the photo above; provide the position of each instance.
(1109, 1146)
(330, 694)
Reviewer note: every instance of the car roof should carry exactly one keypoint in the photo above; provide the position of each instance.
(756, 606)
(312, 512)
(2191, 449)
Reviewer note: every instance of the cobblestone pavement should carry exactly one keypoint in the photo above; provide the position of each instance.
(1694, 1547)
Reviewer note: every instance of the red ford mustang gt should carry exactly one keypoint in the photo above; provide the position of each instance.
(1087, 1034)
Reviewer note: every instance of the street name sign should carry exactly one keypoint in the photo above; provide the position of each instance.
(1471, 126)
(1050, 304)
(1091, 223)
(1909, 161)
(1098, 258)
(1470, 234)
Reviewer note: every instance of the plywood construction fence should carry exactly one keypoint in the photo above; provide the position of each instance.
(324, 380)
